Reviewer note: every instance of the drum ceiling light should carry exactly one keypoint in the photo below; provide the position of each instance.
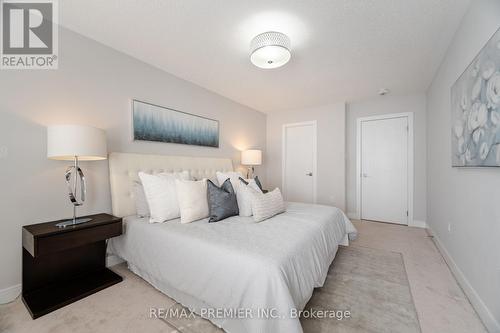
(270, 50)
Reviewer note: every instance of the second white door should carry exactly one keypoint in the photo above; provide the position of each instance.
(299, 162)
(384, 170)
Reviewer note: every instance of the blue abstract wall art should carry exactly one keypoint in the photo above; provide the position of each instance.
(156, 123)
(475, 103)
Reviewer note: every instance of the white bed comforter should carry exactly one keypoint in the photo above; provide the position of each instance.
(238, 264)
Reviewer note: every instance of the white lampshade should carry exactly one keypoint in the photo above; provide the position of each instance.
(64, 142)
(251, 157)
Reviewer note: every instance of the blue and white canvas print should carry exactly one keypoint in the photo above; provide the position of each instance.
(155, 123)
(475, 102)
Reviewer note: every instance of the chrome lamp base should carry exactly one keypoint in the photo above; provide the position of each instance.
(250, 172)
(74, 172)
(70, 222)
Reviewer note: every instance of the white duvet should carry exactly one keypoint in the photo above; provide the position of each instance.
(269, 266)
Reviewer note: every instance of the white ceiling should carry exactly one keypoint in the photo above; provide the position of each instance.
(342, 50)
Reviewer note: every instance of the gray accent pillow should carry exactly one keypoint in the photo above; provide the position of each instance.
(141, 203)
(221, 201)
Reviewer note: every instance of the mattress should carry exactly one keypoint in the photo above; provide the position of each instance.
(268, 269)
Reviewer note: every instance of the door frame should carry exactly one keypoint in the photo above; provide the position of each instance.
(314, 125)
(359, 121)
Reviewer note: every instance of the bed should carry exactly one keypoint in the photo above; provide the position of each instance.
(265, 269)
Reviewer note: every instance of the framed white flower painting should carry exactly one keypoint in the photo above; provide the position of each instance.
(475, 103)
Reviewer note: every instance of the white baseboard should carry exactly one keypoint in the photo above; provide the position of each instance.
(353, 215)
(414, 223)
(491, 323)
(112, 260)
(417, 224)
(9, 294)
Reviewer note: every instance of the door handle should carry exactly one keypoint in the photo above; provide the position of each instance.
(365, 175)
(309, 174)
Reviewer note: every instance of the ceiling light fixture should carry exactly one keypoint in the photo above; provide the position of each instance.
(270, 50)
(383, 91)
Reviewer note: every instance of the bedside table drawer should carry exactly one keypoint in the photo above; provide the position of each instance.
(71, 239)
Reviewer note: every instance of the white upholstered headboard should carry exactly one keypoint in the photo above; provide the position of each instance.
(124, 169)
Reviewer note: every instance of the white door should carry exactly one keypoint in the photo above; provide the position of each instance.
(384, 170)
(299, 162)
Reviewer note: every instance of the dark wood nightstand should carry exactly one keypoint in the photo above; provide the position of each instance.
(63, 265)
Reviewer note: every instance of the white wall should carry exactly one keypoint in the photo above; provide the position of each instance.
(93, 86)
(384, 105)
(467, 199)
(331, 149)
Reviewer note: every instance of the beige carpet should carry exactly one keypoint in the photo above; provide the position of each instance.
(371, 284)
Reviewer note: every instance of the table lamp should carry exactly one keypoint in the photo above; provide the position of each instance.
(251, 158)
(75, 143)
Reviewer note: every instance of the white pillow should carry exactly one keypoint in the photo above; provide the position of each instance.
(141, 203)
(266, 205)
(234, 176)
(161, 195)
(244, 196)
(193, 202)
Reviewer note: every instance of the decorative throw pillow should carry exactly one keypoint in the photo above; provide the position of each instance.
(221, 201)
(244, 196)
(161, 195)
(141, 203)
(232, 175)
(257, 181)
(192, 196)
(266, 205)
